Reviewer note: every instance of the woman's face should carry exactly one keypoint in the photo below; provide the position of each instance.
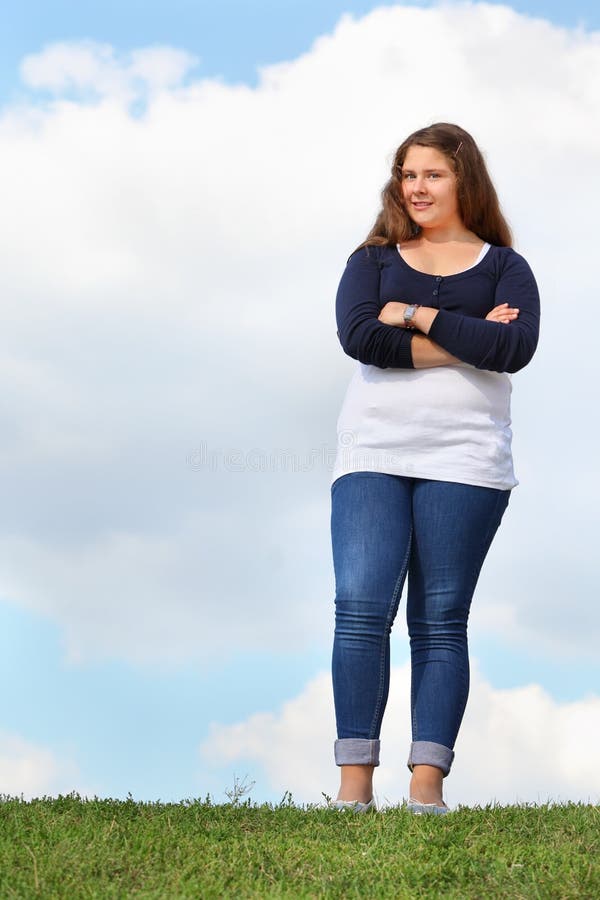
(429, 188)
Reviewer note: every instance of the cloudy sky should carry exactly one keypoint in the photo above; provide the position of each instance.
(181, 185)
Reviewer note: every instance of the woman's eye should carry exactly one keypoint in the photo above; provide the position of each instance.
(434, 174)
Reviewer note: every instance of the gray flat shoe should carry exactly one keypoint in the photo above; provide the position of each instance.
(354, 806)
(420, 809)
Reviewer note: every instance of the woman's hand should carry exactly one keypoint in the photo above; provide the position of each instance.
(393, 313)
(503, 313)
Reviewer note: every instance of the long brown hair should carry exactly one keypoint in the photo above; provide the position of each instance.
(478, 203)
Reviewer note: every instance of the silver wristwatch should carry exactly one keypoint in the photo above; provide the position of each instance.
(409, 314)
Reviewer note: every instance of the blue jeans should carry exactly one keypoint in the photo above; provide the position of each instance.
(383, 526)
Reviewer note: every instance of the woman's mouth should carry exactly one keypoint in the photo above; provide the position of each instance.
(421, 204)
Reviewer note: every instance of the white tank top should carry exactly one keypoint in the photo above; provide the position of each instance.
(447, 423)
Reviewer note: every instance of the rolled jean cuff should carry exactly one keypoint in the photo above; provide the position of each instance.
(356, 752)
(430, 754)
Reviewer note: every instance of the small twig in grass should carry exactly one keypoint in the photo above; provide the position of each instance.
(239, 789)
(35, 871)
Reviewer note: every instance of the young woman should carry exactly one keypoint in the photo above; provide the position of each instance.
(439, 310)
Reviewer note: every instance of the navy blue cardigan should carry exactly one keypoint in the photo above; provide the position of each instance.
(375, 275)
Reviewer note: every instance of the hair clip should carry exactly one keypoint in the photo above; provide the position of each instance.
(458, 148)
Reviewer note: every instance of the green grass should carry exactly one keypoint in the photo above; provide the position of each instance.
(72, 847)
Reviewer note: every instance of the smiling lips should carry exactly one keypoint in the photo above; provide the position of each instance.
(421, 204)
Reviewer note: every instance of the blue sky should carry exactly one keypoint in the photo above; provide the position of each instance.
(231, 38)
(143, 601)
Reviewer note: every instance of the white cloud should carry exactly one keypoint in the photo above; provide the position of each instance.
(169, 281)
(514, 746)
(91, 67)
(30, 770)
(149, 597)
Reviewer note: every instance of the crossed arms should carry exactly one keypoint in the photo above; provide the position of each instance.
(425, 352)
(503, 341)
